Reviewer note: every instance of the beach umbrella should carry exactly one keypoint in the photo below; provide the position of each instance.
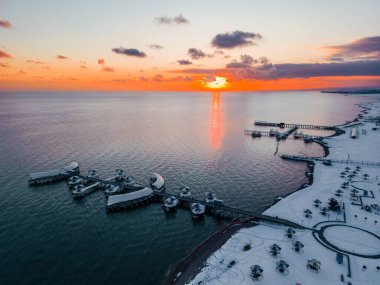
(343, 173)
(340, 191)
(354, 191)
(314, 264)
(347, 168)
(297, 245)
(290, 232)
(307, 213)
(275, 247)
(324, 211)
(257, 268)
(316, 201)
(282, 266)
(365, 175)
(256, 271)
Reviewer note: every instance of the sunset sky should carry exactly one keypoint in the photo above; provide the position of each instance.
(180, 45)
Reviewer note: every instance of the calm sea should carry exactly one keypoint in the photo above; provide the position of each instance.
(192, 139)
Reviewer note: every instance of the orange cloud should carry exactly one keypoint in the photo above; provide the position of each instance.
(108, 69)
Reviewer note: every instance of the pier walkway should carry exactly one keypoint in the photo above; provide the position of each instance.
(299, 126)
(308, 159)
(266, 134)
(108, 181)
(290, 131)
(238, 213)
(39, 178)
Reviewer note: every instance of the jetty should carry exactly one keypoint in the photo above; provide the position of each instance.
(155, 192)
(329, 161)
(83, 191)
(299, 126)
(51, 176)
(267, 134)
(222, 210)
(129, 200)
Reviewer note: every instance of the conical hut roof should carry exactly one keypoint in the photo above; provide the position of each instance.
(307, 211)
(275, 247)
(256, 269)
(290, 231)
(282, 263)
(298, 244)
(313, 262)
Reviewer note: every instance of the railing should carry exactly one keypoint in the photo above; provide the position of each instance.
(300, 126)
(305, 158)
(235, 211)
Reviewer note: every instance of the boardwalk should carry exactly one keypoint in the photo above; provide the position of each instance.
(266, 134)
(308, 159)
(109, 182)
(300, 126)
(236, 212)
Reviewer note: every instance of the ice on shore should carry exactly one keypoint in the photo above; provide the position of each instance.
(327, 180)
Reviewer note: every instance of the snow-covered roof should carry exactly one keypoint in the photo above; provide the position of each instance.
(159, 183)
(72, 166)
(115, 199)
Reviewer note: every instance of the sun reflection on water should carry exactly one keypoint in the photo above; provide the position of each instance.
(215, 122)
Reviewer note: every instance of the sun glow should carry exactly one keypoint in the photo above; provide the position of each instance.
(218, 83)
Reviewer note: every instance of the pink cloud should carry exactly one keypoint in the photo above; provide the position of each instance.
(5, 24)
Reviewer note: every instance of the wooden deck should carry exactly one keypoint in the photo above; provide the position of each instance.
(349, 161)
(235, 212)
(299, 126)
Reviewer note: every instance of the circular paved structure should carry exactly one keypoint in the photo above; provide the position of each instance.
(350, 240)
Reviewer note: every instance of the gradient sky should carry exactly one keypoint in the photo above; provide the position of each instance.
(100, 45)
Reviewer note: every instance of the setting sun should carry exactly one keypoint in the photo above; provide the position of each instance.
(218, 83)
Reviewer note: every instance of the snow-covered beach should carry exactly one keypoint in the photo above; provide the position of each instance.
(353, 230)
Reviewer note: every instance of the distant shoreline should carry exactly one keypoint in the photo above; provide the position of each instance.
(354, 91)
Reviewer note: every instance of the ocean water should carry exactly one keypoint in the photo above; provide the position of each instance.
(192, 139)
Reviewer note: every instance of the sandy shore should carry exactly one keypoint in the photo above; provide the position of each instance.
(190, 265)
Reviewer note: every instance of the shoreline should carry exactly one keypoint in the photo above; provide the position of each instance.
(193, 262)
(188, 267)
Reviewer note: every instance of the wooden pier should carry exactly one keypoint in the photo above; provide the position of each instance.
(224, 210)
(309, 159)
(51, 176)
(109, 181)
(299, 126)
(266, 134)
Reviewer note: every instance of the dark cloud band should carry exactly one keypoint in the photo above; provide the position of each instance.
(235, 39)
(129, 52)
